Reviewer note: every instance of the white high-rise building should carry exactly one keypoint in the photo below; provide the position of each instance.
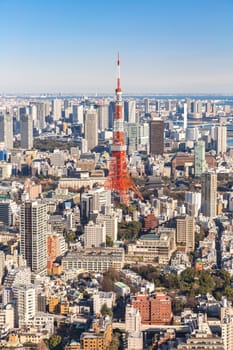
(94, 235)
(56, 109)
(91, 128)
(133, 328)
(25, 304)
(7, 318)
(185, 115)
(26, 130)
(192, 203)
(6, 129)
(221, 139)
(130, 111)
(227, 332)
(103, 117)
(111, 223)
(77, 113)
(132, 319)
(33, 235)
(147, 105)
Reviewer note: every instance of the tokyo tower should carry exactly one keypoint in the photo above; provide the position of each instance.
(119, 179)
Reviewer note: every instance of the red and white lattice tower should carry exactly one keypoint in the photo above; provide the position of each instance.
(119, 179)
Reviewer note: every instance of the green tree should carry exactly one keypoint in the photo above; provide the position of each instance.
(187, 278)
(109, 241)
(206, 282)
(105, 310)
(54, 342)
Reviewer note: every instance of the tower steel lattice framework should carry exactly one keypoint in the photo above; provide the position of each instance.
(119, 179)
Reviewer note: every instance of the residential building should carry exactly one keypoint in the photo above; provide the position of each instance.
(33, 235)
(6, 129)
(94, 235)
(185, 232)
(209, 194)
(8, 211)
(25, 304)
(154, 310)
(133, 328)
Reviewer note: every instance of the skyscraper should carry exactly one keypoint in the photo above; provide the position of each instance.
(199, 158)
(209, 194)
(41, 114)
(147, 105)
(91, 128)
(221, 139)
(185, 115)
(6, 129)
(130, 111)
(156, 136)
(77, 111)
(26, 130)
(132, 137)
(33, 239)
(103, 117)
(56, 109)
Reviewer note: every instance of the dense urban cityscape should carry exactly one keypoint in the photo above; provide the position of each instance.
(116, 175)
(116, 222)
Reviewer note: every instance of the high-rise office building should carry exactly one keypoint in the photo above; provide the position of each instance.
(26, 130)
(185, 232)
(103, 118)
(77, 111)
(132, 137)
(56, 109)
(33, 235)
(130, 111)
(91, 128)
(221, 144)
(41, 114)
(185, 115)
(192, 203)
(147, 105)
(6, 129)
(209, 194)
(199, 158)
(156, 137)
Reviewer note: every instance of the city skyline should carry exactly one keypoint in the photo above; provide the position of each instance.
(67, 46)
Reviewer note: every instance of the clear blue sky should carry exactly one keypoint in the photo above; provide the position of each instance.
(71, 45)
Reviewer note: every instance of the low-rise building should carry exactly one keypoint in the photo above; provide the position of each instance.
(98, 260)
